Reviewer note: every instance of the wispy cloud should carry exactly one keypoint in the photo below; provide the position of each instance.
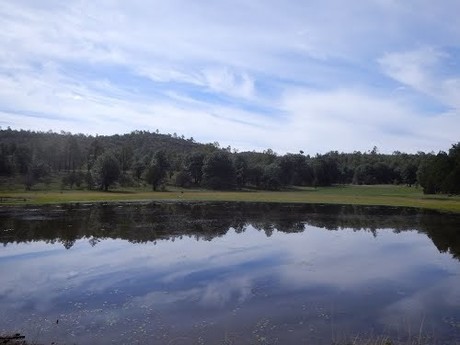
(318, 76)
(424, 70)
(226, 82)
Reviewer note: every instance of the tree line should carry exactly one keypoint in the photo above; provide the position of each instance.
(150, 158)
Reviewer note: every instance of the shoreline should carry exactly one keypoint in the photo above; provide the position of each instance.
(392, 196)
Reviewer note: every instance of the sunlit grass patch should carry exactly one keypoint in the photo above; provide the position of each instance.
(347, 194)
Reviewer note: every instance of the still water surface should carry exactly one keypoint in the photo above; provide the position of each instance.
(228, 273)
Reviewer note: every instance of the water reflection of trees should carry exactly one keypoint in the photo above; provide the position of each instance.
(139, 223)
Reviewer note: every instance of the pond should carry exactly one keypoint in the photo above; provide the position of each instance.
(229, 273)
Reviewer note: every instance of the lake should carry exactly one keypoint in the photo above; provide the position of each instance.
(229, 273)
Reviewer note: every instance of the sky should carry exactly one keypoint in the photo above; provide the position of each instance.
(290, 75)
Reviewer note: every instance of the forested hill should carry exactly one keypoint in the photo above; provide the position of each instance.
(141, 157)
(67, 148)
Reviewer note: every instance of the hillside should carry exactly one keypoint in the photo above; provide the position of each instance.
(143, 158)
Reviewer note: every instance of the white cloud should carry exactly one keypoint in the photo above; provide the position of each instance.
(227, 82)
(231, 71)
(411, 67)
(421, 70)
(347, 120)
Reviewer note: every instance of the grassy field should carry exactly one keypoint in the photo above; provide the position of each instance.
(354, 195)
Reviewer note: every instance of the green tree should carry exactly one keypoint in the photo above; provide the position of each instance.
(295, 170)
(154, 175)
(6, 164)
(452, 183)
(241, 170)
(23, 159)
(138, 169)
(325, 170)
(73, 178)
(433, 172)
(95, 149)
(36, 172)
(194, 166)
(125, 157)
(271, 178)
(183, 179)
(106, 170)
(73, 155)
(254, 175)
(157, 170)
(409, 173)
(218, 171)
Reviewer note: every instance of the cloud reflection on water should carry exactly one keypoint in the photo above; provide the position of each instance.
(298, 282)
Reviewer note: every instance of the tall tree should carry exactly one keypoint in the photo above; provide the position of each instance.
(218, 171)
(6, 161)
(254, 175)
(23, 158)
(271, 178)
(73, 154)
(36, 171)
(125, 157)
(157, 170)
(452, 183)
(194, 166)
(433, 173)
(241, 170)
(106, 170)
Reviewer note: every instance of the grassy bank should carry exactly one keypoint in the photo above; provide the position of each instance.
(352, 195)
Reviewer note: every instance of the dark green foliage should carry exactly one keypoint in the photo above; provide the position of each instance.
(157, 170)
(6, 161)
(441, 173)
(269, 156)
(183, 179)
(271, 177)
(218, 171)
(363, 174)
(106, 170)
(432, 173)
(409, 173)
(325, 171)
(95, 149)
(73, 178)
(162, 159)
(194, 166)
(126, 180)
(36, 172)
(377, 173)
(125, 157)
(288, 169)
(452, 183)
(138, 169)
(453, 178)
(241, 170)
(89, 180)
(295, 170)
(154, 175)
(22, 159)
(72, 153)
(254, 175)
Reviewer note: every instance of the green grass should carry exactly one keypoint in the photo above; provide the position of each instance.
(388, 195)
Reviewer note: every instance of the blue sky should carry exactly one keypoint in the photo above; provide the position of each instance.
(298, 75)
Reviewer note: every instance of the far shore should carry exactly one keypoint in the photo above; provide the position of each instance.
(378, 195)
